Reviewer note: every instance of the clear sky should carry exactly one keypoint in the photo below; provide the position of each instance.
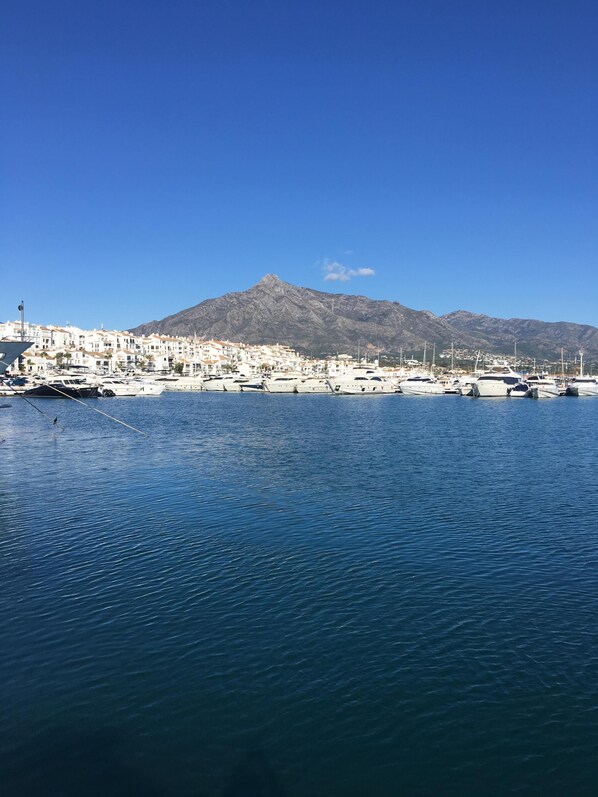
(440, 153)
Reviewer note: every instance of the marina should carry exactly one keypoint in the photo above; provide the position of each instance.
(358, 380)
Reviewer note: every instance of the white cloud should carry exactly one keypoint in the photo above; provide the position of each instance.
(336, 272)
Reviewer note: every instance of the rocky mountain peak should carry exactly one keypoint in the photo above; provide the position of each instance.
(270, 279)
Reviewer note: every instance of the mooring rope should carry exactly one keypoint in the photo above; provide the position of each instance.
(66, 395)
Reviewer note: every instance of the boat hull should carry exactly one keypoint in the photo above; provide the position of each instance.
(582, 390)
(365, 388)
(60, 391)
(491, 389)
(313, 386)
(422, 389)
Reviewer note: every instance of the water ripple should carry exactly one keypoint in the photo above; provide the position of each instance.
(384, 597)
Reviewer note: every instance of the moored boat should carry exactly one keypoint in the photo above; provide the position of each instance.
(542, 386)
(362, 379)
(520, 390)
(183, 383)
(421, 385)
(281, 383)
(496, 383)
(582, 386)
(313, 384)
(67, 387)
(110, 386)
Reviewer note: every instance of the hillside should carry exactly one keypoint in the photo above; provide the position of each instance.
(319, 323)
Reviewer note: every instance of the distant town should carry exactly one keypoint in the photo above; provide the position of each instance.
(105, 351)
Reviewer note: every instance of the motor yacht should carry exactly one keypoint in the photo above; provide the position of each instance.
(583, 386)
(110, 386)
(465, 387)
(149, 388)
(235, 385)
(220, 382)
(282, 383)
(542, 386)
(496, 382)
(520, 390)
(66, 387)
(252, 387)
(421, 385)
(185, 383)
(313, 384)
(362, 379)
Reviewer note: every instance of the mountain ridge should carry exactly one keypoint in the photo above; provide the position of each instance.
(319, 323)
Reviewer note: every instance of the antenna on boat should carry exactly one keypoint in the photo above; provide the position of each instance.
(21, 309)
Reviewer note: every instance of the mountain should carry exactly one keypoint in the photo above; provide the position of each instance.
(318, 323)
(310, 321)
(535, 338)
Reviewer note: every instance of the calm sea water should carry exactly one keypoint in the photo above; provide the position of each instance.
(299, 595)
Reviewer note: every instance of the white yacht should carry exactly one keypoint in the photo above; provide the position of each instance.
(362, 379)
(465, 386)
(252, 386)
(148, 388)
(179, 382)
(542, 386)
(583, 386)
(110, 386)
(282, 383)
(520, 390)
(496, 383)
(421, 385)
(235, 385)
(313, 384)
(220, 382)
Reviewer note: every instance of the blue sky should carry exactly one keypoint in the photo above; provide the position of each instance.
(438, 153)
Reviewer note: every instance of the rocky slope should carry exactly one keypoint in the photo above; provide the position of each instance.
(318, 323)
(536, 338)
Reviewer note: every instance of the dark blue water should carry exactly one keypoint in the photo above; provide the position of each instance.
(299, 595)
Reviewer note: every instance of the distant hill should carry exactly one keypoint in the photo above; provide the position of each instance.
(535, 338)
(318, 323)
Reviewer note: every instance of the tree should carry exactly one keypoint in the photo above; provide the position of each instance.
(178, 368)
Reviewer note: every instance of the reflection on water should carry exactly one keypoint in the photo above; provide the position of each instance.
(299, 595)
